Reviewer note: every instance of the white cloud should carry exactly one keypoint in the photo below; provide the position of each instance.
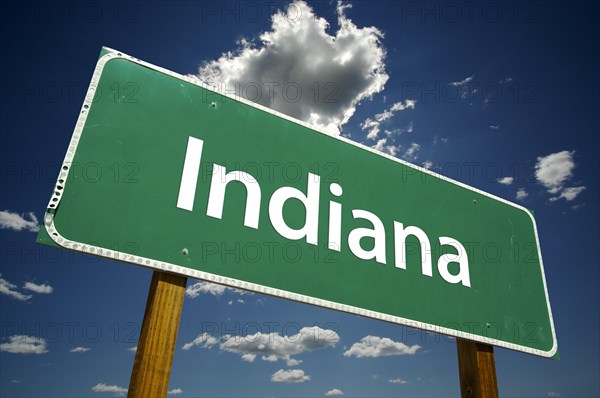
(569, 194)
(398, 381)
(554, 170)
(204, 340)
(373, 126)
(196, 289)
(382, 146)
(428, 164)
(289, 376)
(507, 80)
(553, 394)
(248, 357)
(293, 362)
(398, 106)
(132, 349)
(199, 288)
(16, 222)
(374, 347)
(21, 344)
(80, 349)
(101, 387)
(506, 180)
(11, 290)
(495, 126)
(41, 289)
(462, 82)
(303, 71)
(336, 392)
(467, 91)
(522, 194)
(271, 347)
(411, 152)
(175, 391)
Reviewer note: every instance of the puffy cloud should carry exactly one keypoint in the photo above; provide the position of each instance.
(199, 288)
(17, 222)
(204, 340)
(336, 392)
(506, 180)
(374, 347)
(569, 194)
(196, 289)
(398, 381)
(271, 347)
(80, 349)
(21, 344)
(101, 387)
(372, 126)
(411, 152)
(522, 194)
(554, 170)
(132, 349)
(11, 290)
(175, 391)
(382, 146)
(289, 376)
(495, 126)
(301, 70)
(248, 357)
(41, 289)
(428, 164)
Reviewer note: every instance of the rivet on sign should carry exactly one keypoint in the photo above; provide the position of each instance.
(488, 325)
(185, 251)
(213, 104)
(474, 201)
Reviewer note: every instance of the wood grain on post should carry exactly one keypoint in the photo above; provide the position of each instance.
(156, 346)
(477, 370)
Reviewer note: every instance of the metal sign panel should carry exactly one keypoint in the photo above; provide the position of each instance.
(164, 172)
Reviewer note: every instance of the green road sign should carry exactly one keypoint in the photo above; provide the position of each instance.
(164, 172)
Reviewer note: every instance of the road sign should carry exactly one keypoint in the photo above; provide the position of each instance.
(164, 172)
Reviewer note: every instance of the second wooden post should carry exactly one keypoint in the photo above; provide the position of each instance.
(477, 370)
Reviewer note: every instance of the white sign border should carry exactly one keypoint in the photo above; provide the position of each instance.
(238, 284)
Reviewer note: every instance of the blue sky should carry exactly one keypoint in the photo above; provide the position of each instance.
(503, 98)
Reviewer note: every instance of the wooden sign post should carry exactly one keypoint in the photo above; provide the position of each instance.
(156, 346)
(477, 370)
